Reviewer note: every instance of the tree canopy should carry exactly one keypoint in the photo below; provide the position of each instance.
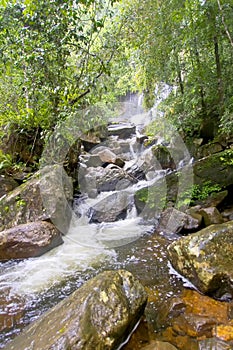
(57, 56)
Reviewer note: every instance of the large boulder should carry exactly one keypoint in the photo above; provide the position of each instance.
(205, 258)
(111, 208)
(215, 169)
(94, 180)
(100, 315)
(46, 196)
(28, 240)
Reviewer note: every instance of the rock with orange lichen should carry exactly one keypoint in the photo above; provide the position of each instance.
(224, 332)
(190, 319)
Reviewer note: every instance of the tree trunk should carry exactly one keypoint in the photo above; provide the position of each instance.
(219, 72)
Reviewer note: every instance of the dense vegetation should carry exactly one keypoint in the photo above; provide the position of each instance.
(59, 56)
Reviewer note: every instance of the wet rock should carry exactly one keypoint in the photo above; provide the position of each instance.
(94, 137)
(140, 336)
(213, 343)
(89, 141)
(28, 240)
(12, 310)
(175, 221)
(111, 208)
(141, 138)
(46, 196)
(96, 180)
(99, 315)
(159, 345)
(205, 258)
(123, 130)
(195, 213)
(211, 216)
(163, 156)
(228, 214)
(90, 160)
(107, 156)
(224, 332)
(7, 184)
(192, 317)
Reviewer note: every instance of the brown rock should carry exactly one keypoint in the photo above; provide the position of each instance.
(174, 221)
(107, 156)
(159, 345)
(28, 240)
(228, 214)
(100, 315)
(211, 216)
(200, 317)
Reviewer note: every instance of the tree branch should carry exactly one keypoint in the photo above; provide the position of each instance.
(224, 23)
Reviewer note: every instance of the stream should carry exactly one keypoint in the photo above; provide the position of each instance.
(32, 286)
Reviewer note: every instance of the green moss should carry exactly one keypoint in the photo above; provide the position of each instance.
(142, 195)
(6, 208)
(227, 157)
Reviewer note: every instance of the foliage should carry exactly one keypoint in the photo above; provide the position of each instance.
(188, 45)
(227, 158)
(198, 193)
(5, 161)
(51, 58)
(59, 56)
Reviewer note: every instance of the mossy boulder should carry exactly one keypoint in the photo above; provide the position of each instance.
(208, 175)
(46, 196)
(100, 315)
(215, 168)
(205, 258)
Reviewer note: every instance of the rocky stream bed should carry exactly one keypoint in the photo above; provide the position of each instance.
(154, 263)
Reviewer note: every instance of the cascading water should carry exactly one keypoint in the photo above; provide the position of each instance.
(31, 286)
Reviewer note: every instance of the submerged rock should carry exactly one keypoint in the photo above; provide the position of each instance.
(205, 258)
(46, 196)
(99, 315)
(28, 240)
